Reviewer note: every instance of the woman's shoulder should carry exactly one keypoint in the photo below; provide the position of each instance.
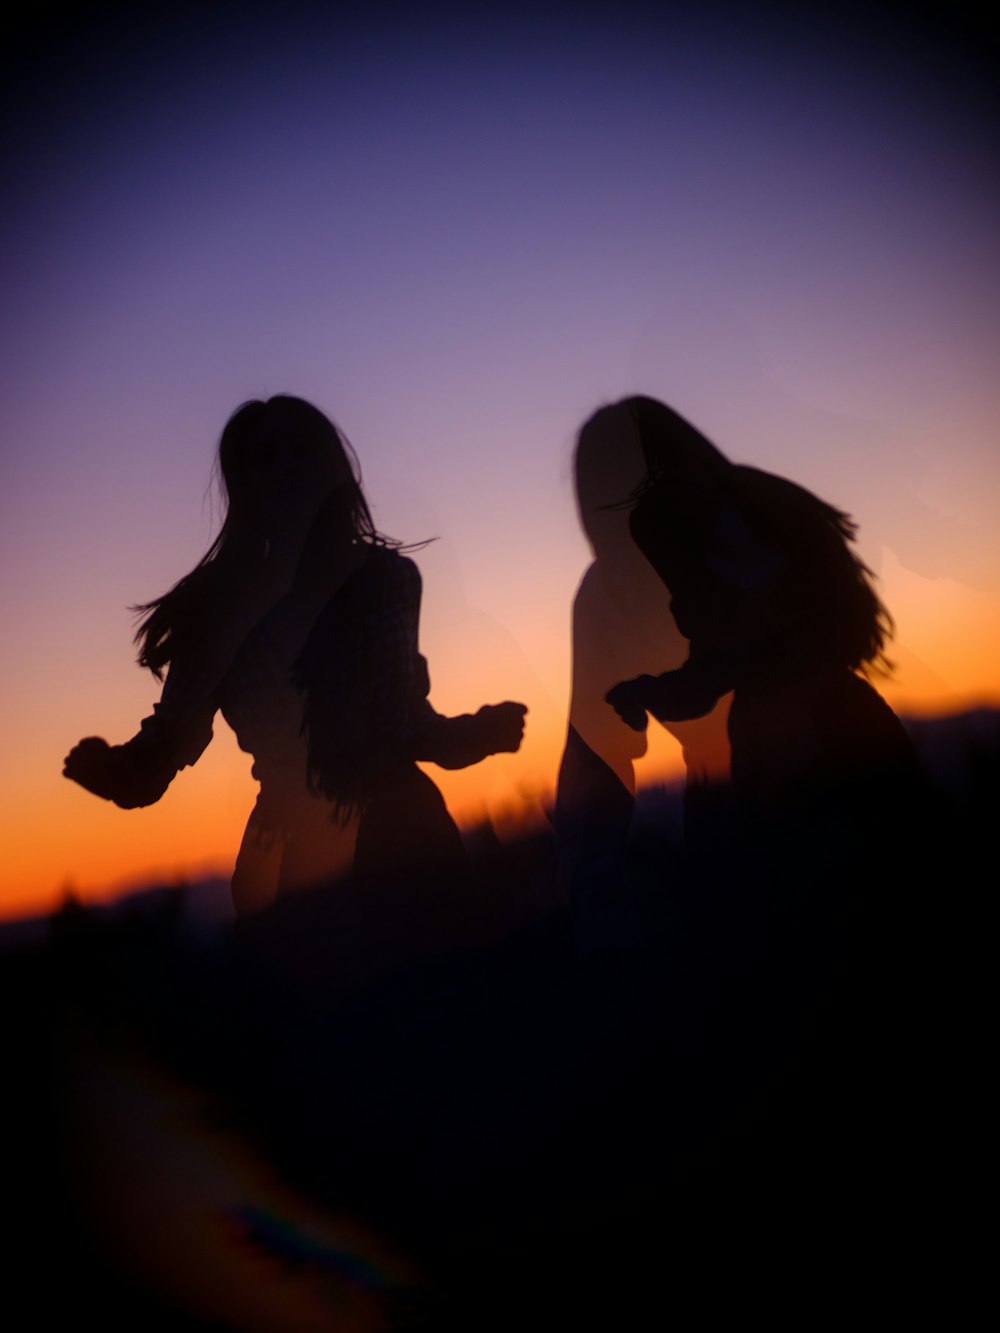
(383, 579)
(391, 557)
(388, 564)
(857, 714)
(851, 692)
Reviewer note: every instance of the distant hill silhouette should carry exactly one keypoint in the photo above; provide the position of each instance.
(958, 751)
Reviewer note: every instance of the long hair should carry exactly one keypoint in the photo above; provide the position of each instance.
(739, 546)
(264, 442)
(821, 602)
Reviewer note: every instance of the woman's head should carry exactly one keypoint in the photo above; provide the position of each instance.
(283, 466)
(672, 448)
(629, 447)
(277, 460)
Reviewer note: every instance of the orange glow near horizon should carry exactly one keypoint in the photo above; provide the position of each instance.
(63, 839)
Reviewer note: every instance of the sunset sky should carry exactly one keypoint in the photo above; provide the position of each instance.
(458, 237)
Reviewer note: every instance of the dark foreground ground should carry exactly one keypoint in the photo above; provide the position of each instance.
(304, 1126)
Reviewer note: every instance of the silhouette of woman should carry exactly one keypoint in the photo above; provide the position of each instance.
(299, 592)
(781, 611)
(622, 624)
(814, 926)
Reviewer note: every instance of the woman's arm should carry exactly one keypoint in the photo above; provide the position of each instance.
(676, 696)
(458, 742)
(174, 736)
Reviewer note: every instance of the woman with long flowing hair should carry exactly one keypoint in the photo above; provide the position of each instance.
(300, 625)
(781, 612)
